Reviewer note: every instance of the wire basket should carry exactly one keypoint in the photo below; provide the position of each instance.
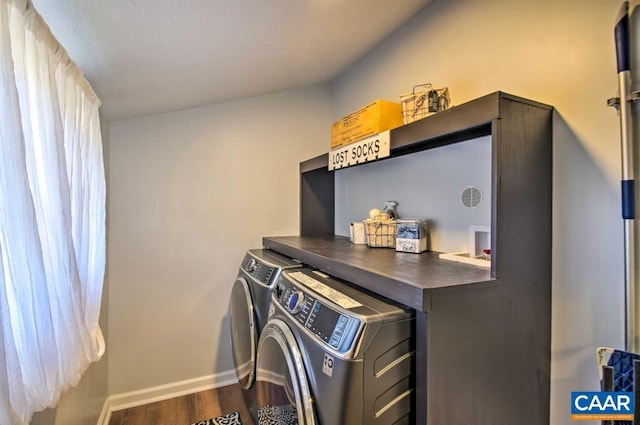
(380, 232)
(423, 101)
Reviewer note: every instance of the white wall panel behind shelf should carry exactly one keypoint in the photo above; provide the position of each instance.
(427, 184)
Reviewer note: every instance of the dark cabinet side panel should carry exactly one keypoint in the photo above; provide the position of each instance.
(490, 348)
(317, 203)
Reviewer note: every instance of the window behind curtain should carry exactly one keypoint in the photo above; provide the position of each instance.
(52, 217)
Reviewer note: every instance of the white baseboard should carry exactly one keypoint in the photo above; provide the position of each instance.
(105, 413)
(163, 392)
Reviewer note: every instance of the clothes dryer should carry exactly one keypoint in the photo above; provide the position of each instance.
(332, 354)
(248, 307)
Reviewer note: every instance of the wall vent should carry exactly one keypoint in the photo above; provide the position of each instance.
(471, 197)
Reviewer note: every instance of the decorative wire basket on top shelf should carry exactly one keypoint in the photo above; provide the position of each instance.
(423, 101)
(380, 232)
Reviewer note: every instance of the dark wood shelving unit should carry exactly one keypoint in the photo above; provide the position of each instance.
(483, 336)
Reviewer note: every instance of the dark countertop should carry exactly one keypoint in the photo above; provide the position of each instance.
(407, 278)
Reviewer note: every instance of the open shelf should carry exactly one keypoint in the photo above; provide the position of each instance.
(404, 277)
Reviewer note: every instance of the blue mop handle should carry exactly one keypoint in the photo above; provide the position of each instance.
(623, 60)
(632, 287)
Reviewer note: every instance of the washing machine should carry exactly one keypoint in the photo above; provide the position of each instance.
(331, 354)
(248, 310)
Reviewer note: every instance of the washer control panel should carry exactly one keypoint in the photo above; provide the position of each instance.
(319, 316)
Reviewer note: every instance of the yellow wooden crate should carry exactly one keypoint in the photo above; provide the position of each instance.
(371, 119)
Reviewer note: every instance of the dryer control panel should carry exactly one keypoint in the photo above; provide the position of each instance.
(257, 269)
(319, 316)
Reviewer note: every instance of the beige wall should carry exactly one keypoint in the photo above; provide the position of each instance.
(190, 192)
(560, 53)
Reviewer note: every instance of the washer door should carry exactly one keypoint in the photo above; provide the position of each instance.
(243, 332)
(282, 388)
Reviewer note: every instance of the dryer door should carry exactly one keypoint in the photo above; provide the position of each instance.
(243, 332)
(282, 388)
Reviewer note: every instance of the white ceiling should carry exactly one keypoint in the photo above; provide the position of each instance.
(149, 56)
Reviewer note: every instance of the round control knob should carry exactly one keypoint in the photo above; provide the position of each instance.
(295, 302)
(252, 266)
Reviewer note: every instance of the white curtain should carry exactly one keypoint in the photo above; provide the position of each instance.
(52, 217)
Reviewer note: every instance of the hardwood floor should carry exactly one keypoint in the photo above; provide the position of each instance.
(186, 410)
